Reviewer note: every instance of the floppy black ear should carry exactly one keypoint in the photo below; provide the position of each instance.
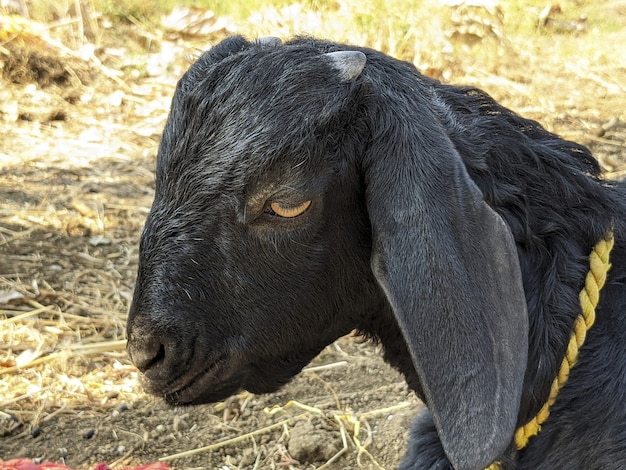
(448, 265)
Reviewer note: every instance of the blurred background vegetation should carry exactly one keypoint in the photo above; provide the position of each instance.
(507, 43)
(408, 29)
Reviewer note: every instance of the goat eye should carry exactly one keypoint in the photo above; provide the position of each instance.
(289, 211)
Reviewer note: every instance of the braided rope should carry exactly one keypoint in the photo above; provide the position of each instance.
(589, 297)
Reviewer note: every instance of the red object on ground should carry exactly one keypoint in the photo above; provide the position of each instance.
(25, 464)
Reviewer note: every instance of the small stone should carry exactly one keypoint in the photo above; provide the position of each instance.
(248, 457)
(180, 424)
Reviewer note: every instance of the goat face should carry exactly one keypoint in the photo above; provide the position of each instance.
(300, 195)
(255, 254)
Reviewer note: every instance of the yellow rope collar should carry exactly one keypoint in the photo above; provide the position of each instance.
(589, 297)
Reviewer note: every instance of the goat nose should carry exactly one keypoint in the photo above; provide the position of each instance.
(159, 352)
(146, 351)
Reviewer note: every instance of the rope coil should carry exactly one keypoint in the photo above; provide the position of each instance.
(589, 298)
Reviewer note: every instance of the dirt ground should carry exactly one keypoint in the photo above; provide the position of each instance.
(77, 145)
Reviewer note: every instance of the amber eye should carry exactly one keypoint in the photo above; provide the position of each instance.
(289, 212)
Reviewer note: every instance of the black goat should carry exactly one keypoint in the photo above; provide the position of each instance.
(308, 189)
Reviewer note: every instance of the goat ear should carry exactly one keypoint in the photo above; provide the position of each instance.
(448, 265)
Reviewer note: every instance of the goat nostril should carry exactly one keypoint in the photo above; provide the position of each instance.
(160, 357)
(147, 356)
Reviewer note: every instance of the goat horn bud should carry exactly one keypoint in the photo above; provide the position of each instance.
(269, 41)
(350, 64)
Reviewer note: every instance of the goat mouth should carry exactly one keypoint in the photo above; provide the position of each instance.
(213, 383)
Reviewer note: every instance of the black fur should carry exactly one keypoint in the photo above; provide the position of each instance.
(397, 243)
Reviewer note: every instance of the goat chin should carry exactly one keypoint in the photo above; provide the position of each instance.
(310, 188)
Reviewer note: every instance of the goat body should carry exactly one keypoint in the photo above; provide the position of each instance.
(310, 188)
